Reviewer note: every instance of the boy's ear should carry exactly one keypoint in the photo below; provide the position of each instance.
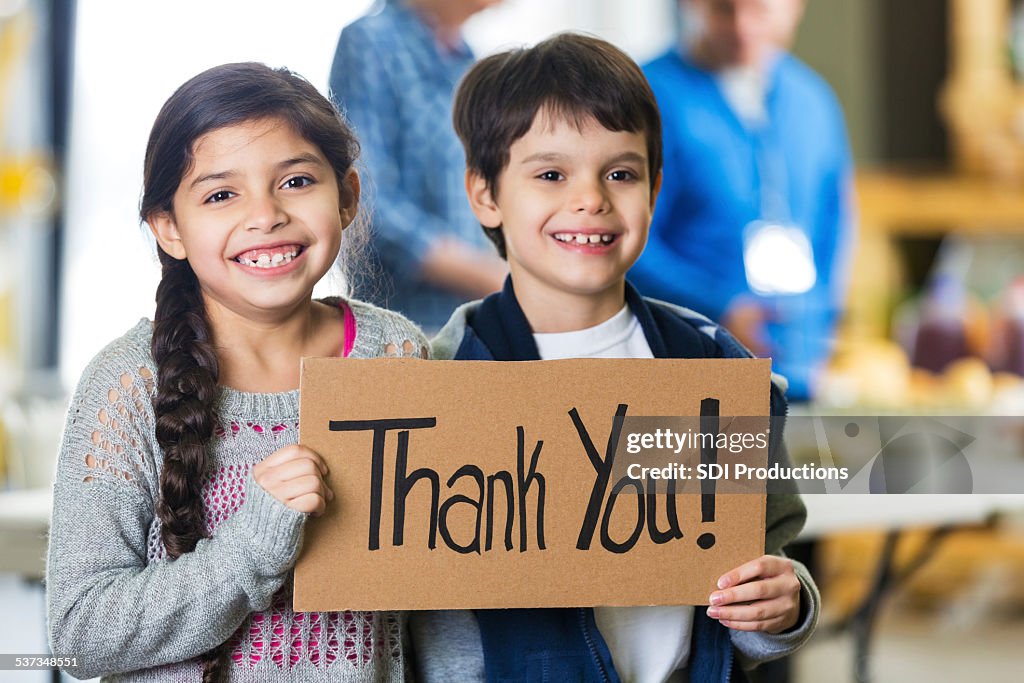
(165, 230)
(481, 199)
(655, 189)
(349, 202)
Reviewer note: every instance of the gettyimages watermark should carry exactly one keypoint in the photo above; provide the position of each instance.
(826, 454)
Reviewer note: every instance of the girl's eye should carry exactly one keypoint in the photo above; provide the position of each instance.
(219, 196)
(551, 175)
(621, 175)
(298, 181)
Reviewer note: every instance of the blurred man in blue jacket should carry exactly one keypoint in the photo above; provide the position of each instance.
(753, 224)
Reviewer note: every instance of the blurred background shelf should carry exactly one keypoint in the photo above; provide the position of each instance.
(893, 203)
(903, 218)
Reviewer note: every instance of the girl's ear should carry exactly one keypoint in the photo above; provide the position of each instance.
(481, 199)
(349, 198)
(165, 230)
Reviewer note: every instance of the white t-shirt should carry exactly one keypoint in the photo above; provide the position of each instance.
(648, 644)
(618, 337)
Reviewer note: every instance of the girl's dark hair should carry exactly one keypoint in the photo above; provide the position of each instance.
(183, 345)
(573, 76)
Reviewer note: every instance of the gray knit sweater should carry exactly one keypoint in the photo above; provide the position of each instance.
(128, 613)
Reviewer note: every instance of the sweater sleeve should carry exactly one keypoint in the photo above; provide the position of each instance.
(784, 518)
(107, 602)
(757, 647)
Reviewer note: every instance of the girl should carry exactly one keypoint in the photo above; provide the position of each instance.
(181, 493)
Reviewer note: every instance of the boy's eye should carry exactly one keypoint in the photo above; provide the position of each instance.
(219, 196)
(551, 175)
(621, 175)
(298, 181)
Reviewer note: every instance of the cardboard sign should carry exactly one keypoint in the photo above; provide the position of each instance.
(487, 484)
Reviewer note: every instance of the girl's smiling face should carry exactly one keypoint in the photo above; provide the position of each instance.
(259, 217)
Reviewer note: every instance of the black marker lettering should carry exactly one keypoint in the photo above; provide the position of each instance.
(478, 503)
(525, 482)
(380, 429)
(602, 469)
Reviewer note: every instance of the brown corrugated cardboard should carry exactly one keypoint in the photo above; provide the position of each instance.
(492, 471)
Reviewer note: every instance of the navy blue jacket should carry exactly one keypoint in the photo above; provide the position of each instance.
(564, 644)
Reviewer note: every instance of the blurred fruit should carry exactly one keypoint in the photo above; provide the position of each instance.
(873, 372)
(925, 389)
(968, 383)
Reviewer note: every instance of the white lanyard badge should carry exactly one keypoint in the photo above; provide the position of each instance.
(777, 255)
(778, 259)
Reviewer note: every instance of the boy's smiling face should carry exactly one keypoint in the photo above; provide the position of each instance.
(574, 204)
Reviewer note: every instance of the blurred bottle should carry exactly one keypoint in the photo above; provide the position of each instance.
(1009, 338)
(941, 335)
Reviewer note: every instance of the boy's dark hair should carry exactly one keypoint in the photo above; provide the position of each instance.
(573, 76)
(183, 344)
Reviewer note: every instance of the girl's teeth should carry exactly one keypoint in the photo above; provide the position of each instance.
(594, 239)
(581, 239)
(268, 261)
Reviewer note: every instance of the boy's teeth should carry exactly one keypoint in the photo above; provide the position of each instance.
(581, 238)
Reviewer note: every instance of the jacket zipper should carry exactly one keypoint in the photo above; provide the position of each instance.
(728, 665)
(582, 613)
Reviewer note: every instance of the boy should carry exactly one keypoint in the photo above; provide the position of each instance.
(563, 151)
